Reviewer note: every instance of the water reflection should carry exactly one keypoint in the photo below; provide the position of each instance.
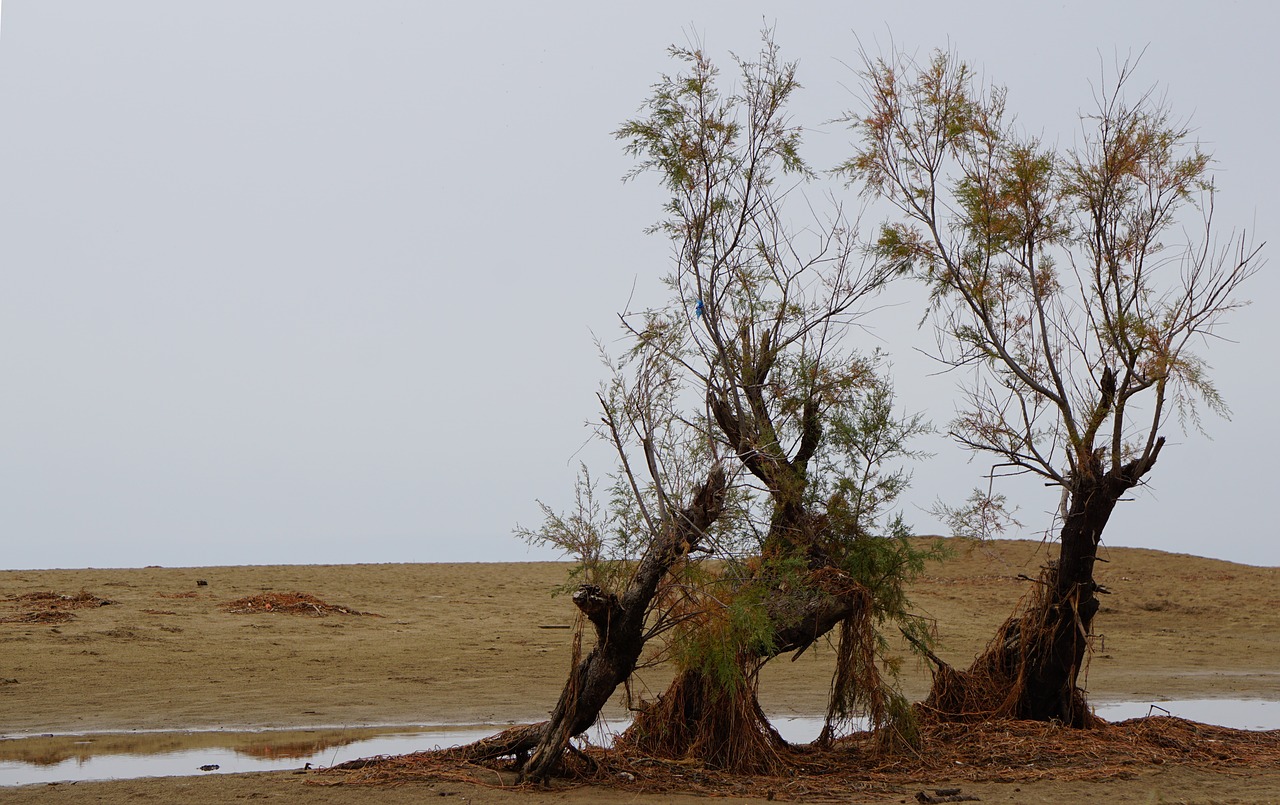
(50, 750)
(102, 756)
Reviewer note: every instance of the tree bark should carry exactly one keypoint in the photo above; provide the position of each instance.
(1050, 689)
(1057, 653)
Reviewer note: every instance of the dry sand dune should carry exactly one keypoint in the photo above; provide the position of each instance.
(488, 643)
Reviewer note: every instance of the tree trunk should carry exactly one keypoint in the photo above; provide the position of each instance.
(724, 726)
(701, 717)
(1057, 649)
(1031, 669)
(619, 624)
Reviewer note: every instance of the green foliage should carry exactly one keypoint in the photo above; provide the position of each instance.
(901, 730)
(865, 444)
(861, 480)
(589, 534)
(579, 533)
(984, 515)
(726, 643)
(885, 565)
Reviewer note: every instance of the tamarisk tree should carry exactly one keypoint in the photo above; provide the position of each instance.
(1063, 279)
(747, 431)
(756, 332)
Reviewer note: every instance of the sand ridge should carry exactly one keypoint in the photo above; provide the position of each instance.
(472, 643)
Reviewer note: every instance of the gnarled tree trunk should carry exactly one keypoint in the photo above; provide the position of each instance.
(1056, 653)
(1032, 667)
(723, 725)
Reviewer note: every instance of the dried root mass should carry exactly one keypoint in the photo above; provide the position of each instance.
(1005, 751)
(997, 685)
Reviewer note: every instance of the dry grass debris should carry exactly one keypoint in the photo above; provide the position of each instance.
(47, 606)
(51, 600)
(992, 751)
(288, 604)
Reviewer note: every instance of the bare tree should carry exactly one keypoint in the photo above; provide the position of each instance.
(1063, 279)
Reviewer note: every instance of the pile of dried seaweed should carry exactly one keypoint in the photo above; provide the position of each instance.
(288, 604)
(50, 607)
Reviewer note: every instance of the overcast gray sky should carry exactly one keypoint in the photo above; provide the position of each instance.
(316, 281)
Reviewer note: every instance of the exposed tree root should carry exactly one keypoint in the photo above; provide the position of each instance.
(718, 722)
(698, 717)
(999, 683)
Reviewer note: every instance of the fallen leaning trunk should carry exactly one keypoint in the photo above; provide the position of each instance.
(619, 624)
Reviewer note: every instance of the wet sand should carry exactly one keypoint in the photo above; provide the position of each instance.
(470, 643)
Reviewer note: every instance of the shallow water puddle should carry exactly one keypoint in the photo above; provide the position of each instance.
(1241, 714)
(105, 756)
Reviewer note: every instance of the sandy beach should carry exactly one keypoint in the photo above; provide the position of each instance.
(490, 643)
